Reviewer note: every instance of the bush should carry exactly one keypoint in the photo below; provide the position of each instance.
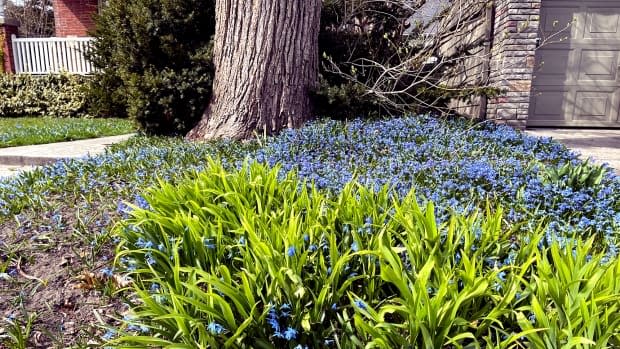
(155, 62)
(246, 260)
(155, 59)
(353, 31)
(56, 95)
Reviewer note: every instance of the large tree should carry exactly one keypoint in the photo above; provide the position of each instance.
(266, 65)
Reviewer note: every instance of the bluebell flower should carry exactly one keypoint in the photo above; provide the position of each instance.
(290, 333)
(215, 328)
(110, 333)
(154, 288)
(290, 251)
(360, 304)
(285, 310)
(141, 202)
(208, 243)
(501, 275)
(354, 247)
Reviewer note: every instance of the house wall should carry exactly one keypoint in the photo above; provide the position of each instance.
(7, 28)
(74, 17)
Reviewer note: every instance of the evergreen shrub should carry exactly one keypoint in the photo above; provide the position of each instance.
(155, 62)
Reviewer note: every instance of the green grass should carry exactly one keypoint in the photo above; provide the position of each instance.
(28, 131)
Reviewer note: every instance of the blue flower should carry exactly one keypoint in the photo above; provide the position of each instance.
(215, 328)
(354, 247)
(141, 202)
(360, 304)
(208, 243)
(291, 251)
(290, 334)
(110, 333)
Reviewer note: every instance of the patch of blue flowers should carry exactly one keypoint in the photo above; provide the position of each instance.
(458, 165)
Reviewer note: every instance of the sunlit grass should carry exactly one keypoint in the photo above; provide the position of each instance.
(28, 131)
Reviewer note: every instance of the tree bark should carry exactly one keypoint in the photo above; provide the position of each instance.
(266, 63)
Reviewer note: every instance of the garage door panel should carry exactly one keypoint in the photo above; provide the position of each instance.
(594, 106)
(552, 66)
(549, 104)
(602, 23)
(576, 81)
(556, 19)
(598, 65)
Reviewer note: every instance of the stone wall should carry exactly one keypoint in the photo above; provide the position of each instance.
(500, 37)
(512, 59)
(74, 17)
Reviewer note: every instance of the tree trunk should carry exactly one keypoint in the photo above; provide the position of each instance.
(266, 63)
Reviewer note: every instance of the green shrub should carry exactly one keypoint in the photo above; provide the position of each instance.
(353, 31)
(250, 259)
(55, 95)
(155, 62)
(155, 59)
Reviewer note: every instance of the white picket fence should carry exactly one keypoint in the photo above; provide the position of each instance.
(51, 55)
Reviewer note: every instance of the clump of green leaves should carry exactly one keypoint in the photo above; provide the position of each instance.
(18, 331)
(257, 258)
(577, 176)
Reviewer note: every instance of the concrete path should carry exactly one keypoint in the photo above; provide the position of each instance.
(15, 159)
(599, 144)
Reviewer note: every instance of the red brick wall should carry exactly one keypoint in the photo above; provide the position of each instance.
(74, 17)
(6, 30)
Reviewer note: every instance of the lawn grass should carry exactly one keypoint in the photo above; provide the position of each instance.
(56, 223)
(32, 130)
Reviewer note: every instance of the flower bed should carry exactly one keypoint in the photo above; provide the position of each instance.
(460, 166)
(247, 259)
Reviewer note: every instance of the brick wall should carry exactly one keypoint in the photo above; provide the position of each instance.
(512, 59)
(6, 30)
(74, 17)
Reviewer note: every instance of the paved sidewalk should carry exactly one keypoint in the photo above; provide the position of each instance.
(15, 159)
(602, 145)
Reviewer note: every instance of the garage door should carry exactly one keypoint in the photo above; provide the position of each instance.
(576, 81)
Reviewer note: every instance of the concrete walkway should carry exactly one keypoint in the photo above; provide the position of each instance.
(15, 159)
(599, 144)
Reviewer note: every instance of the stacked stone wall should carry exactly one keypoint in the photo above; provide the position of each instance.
(512, 59)
(501, 38)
